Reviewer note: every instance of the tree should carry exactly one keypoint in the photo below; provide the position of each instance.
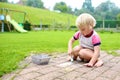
(69, 10)
(79, 11)
(35, 3)
(107, 10)
(62, 7)
(87, 5)
(76, 11)
(118, 16)
(3, 0)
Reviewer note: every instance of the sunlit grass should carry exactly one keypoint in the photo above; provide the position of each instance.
(16, 46)
(110, 41)
(36, 15)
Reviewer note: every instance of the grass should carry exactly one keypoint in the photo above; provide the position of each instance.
(110, 41)
(15, 46)
(35, 15)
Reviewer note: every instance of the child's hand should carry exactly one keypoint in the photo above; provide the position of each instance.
(88, 65)
(69, 58)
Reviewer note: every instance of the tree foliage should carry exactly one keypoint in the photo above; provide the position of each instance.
(3, 0)
(87, 5)
(62, 7)
(118, 16)
(35, 3)
(69, 10)
(107, 10)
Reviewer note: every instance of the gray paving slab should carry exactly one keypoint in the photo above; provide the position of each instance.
(61, 69)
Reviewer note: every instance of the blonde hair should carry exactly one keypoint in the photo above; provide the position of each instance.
(85, 19)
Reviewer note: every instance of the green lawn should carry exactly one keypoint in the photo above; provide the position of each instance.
(110, 41)
(16, 46)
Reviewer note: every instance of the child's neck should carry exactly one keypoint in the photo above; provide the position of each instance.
(90, 34)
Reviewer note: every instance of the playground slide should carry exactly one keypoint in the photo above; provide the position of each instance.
(15, 24)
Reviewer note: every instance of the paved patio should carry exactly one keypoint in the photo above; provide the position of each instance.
(60, 69)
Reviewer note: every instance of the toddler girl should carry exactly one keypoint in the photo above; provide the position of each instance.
(89, 48)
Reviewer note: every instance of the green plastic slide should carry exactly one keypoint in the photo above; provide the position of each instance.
(18, 27)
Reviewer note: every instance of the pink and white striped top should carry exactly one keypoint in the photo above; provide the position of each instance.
(88, 42)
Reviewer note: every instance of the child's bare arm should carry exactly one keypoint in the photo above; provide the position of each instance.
(70, 43)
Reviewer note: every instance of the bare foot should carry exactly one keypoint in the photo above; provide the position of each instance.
(99, 63)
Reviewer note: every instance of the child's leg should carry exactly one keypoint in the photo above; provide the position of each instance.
(86, 54)
(75, 52)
